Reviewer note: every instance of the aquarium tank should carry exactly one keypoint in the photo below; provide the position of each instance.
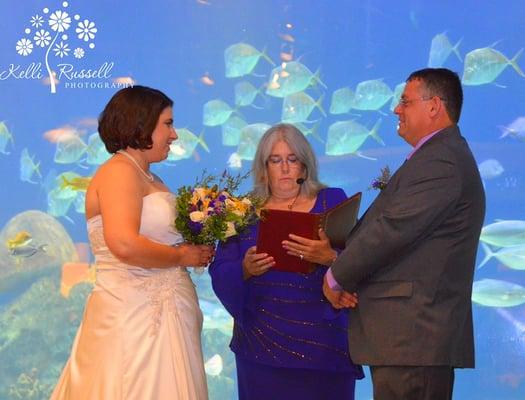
(334, 68)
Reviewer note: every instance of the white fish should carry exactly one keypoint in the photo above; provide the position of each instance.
(28, 167)
(515, 129)
(490, 169)
(214, 365)
(5, 138)
(234, 161)
(513, 256)
(371, 95)
(27, 250)
(485, 65)
(497, 293)
(440, 49)
(504, 233)
(249, 139)
(347, 137)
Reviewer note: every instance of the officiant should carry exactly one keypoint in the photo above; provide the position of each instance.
(289, 342)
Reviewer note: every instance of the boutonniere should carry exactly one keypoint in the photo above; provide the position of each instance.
(381, 181)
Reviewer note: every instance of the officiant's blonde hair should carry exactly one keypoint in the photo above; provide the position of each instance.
(299, 145)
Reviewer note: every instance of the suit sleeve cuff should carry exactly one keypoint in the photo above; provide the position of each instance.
(332, 283)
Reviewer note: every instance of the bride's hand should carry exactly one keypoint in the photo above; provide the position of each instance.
(255, 264)
(195, 255)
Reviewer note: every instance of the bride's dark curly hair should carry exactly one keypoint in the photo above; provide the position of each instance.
(130, 117)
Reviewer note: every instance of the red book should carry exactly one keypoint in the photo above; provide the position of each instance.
(276, 225)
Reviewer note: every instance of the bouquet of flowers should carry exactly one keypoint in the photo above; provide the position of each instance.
(208, 211)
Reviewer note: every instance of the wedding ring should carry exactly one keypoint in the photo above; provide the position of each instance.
(301, 256)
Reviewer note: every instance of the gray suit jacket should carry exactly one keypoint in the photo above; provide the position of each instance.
(411, 258)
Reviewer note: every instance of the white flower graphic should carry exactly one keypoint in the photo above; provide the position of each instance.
(61, 50)
(86, 30)
(42, 38)
(59, 21)
(24, 47)
(79, 52)
(37, 21)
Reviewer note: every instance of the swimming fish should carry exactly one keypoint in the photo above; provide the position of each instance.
(245, 94)
(6, 137)
(27, 250)
(497, 293)
(21, 239)
(215, 112)
(342, 100)
(241, 58)
(186, 144)
(398, 92)
(96, 150)
(291, 77)
(58, 204)
(512, 256)
(371, 95)
(486, 64)
(440, 49)
(231, 130)
(234, 161)
(297, 107)
(249, 139)
(515, 129)
(28, 167)
(490, 169)
(347, 137)
(69, 149)
(79, 184)
(504, 233)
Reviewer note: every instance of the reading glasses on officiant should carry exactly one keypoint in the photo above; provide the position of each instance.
(291, 161)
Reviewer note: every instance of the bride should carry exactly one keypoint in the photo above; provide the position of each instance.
(140, 333)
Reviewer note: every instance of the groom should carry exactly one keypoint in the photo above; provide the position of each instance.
(411, 257)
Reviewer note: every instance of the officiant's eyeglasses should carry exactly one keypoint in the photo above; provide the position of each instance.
(292, 161)
(405, 103)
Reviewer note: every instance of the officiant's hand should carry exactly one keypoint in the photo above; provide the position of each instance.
(316, 251)
(255, 264)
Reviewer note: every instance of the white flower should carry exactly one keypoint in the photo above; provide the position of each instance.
(197, 216)
(24, 47)
(246, 201)
(61, 50)
(37, 21)
(79, 52)
(86, 30)
(230, 229)
(59, 21)
(42, 38)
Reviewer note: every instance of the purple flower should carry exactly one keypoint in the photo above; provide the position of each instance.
(195, 227)
(380, 182)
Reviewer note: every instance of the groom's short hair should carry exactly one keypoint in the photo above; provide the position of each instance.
(446, 85)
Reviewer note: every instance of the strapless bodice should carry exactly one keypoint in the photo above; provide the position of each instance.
(156, 223)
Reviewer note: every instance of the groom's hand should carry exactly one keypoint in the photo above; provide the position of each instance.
(331, 295)
(339, 298)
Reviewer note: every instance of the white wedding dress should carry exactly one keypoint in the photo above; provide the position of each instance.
(140, 337)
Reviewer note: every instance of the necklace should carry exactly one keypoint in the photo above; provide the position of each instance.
(290, 206)
(147, 175)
